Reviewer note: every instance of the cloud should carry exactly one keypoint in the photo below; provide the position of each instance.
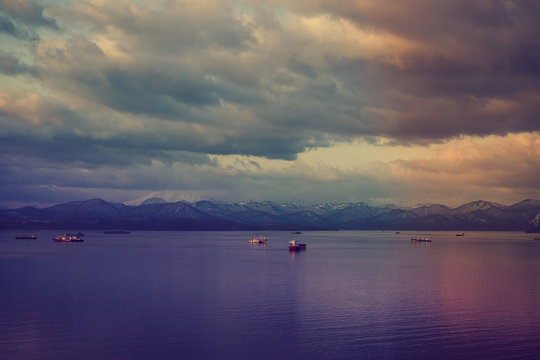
(374, 70)
(167, 87)
(21, 19)
(27, 12)
(512, 161)
(505, 167)
(452, 61)
(11, 65)
(10, 27)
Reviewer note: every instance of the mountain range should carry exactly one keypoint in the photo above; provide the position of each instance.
(157, 214)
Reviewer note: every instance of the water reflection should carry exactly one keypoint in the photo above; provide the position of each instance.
(420, 244)
(294, 254)
(209, 296)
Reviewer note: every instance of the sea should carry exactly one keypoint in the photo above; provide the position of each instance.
(212, 295)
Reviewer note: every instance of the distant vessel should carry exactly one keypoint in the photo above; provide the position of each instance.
(421, 239)
(397, 232)
(31, 237)
(257, 240)
(67, 238)
(460, 234)
(296, 246)
(116, 232)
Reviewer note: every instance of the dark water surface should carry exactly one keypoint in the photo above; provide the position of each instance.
(211, 295)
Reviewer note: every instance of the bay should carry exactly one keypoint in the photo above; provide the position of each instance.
(211, 295)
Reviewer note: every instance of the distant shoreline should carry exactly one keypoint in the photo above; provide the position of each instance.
(98, 214)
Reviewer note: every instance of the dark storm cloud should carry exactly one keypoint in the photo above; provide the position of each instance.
(157, 93)
(423, 19)
(10, 27)
(458, 60)
(146, 87)
(20, 18)
(11, 65)
(301, 68)
(464, 57)
(72, 149)
(455, 69)
(27, 12)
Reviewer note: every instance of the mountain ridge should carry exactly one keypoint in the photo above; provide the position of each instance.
(259, 215)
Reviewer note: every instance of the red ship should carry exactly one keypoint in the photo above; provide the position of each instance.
(296, 246)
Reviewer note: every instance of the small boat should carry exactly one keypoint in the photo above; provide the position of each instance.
(67, 238)
(31, 237)
(421, 239)
(296, 246)
(116, 232)
(397, 232)
(257, 240)
(296, 233)
(460, 234)
(537, 239)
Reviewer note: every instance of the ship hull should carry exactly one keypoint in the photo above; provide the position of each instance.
(298, 247)
(67, 239)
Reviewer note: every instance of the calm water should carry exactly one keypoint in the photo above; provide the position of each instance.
(211, 295)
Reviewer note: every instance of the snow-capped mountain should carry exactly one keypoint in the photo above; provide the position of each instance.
(534, 225)
(479, 205)
(154, 200)
(250, 215)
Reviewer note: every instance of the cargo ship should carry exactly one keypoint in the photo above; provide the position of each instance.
(31, 237)
(257, 240)
(296, 246)
(67, 238)
(116, 232)
(421, 239)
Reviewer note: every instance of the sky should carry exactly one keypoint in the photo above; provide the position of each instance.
(383, 102)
